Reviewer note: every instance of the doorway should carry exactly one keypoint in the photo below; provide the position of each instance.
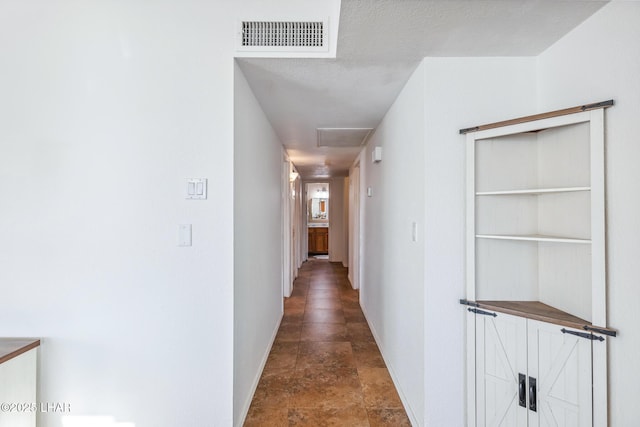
(317, 201)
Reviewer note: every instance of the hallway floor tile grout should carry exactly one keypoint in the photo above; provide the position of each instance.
(324, 368)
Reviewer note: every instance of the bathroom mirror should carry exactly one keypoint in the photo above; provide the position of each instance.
(318, 203)
(319, 209)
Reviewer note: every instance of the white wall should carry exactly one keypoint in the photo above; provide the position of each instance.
(106, 108)
(600, 60)
(410, 290)
(258, 164)
(392, 282)
(459, 93)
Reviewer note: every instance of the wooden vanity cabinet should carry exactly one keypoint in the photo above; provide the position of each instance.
(318, 240)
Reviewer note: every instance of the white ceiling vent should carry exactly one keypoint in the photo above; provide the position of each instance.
(283, 36)
(342, 137)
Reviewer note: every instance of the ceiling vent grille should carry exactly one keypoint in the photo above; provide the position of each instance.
(342, 137)
(294, 34)
(278, 36)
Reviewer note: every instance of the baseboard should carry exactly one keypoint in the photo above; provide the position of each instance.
(256, 380)
(414, 420)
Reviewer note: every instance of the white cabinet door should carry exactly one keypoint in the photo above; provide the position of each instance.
(501, 355)
(561, 364)
(18, 385)
(510, 350)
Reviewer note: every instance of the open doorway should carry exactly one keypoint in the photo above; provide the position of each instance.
(317, 201)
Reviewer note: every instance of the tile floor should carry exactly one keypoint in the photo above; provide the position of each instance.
(325, 368)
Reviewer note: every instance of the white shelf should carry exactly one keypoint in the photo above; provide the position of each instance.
(533, 191)
(533, 238)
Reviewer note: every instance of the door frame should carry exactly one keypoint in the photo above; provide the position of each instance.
(354, 226)
(305, 213)
(286, 230)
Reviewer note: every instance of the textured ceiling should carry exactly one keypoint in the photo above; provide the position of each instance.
(380, 43)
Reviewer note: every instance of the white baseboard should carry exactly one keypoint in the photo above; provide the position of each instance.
(256, 380)
(412, 417)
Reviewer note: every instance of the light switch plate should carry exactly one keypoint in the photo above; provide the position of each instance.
(184, 235)
(376, 155)
(196, 188)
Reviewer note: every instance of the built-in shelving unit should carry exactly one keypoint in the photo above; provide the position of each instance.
(535, 237)
(536, 214)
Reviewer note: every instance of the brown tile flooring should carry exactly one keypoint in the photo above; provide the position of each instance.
(325, 368)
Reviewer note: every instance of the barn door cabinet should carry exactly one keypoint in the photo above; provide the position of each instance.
(535, 299)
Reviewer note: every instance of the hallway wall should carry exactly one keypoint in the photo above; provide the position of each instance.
(392, 282)
(600, 60)
(410, 290)
(258, 240)
(459, 93)
(106, 109)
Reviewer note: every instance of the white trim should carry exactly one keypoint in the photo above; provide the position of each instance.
(403, 398)
(470, 376)
(470, 282)
(354, 226)
(598, 268)
(286, 229)
(536, 125)
(471, 219)
(532, 191)
(598, 263)
(256, 380)
(533, 238)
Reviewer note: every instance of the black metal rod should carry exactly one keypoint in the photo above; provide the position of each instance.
(486, 313)
(467, 130)
(608, 103)
(582, 335)
(467, 302)
(600, 331)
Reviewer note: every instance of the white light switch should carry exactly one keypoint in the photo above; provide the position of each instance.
(184, 235)
(369, 191)
(196, 188)
(414, 231)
